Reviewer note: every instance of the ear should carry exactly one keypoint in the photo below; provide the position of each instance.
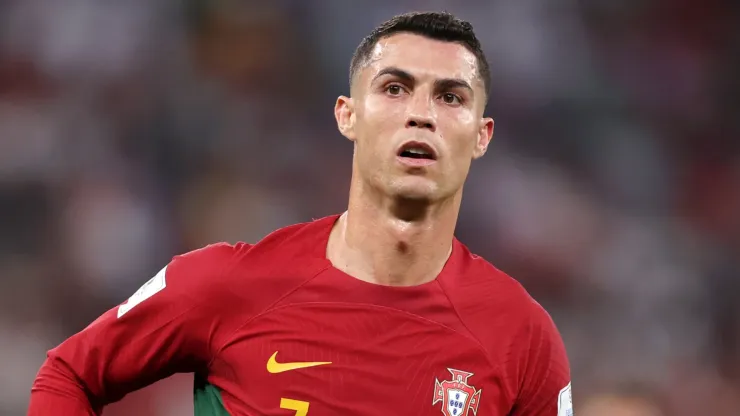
(344, 112)
(485, 134)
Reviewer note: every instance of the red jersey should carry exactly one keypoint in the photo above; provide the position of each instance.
(274, 329)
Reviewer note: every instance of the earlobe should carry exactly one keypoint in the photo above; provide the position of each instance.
(485, 134)
(345, 116)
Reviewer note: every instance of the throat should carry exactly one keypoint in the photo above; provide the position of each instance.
(411, 211)
(392, 254)
(407, 265)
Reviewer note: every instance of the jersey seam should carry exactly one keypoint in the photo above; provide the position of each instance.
(527, 366)
(226, 268)
(540, 385)
(202, 302)
(267, 309)
(270, 310)
(495, 367)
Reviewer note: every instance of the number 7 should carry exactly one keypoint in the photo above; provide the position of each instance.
(301, 408)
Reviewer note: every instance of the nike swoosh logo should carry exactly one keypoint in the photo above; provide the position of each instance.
(275, 367)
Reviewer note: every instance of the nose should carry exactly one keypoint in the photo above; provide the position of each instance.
(421, 114)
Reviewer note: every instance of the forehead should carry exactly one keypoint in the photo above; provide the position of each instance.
(422, 56)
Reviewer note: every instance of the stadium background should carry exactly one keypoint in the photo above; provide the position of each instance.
(134, 130)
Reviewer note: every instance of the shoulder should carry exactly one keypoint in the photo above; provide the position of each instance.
(198, 272)
(517, 333)
(485, 292)
(299, 237)
(185, 284)
(252, 274)
(212, 255)
(496, 308)
(208, 260)
(222, 258)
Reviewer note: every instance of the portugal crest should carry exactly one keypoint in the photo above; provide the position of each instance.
(456, 395)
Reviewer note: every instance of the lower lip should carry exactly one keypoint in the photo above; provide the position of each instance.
(410, 161)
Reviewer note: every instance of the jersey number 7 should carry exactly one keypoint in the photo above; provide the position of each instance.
(300, 407)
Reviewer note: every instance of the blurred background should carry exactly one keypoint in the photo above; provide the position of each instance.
(134, 130)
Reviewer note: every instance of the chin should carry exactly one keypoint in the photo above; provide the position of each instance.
(418, 189)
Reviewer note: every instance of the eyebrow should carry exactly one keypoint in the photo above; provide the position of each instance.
(440, 84)
(396, 72)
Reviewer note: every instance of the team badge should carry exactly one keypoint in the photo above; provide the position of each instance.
(456, 395)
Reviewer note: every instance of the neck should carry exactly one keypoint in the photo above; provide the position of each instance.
(393, 241)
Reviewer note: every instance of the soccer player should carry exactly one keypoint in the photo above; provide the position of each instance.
(375, 311)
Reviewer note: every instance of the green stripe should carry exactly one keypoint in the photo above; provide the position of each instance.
(208, 401)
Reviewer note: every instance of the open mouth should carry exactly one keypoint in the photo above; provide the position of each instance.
(417, 150)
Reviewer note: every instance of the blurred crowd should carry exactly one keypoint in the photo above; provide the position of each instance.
(134, 130)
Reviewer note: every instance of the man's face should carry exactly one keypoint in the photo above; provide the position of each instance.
(416, 117)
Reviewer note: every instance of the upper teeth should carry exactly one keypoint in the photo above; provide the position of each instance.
(417, 151)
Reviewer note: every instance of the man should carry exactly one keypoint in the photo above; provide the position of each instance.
(375, 311)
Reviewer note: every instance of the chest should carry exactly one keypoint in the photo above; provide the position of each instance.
(341, 359)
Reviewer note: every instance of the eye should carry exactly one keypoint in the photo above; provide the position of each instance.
(450, 98)
(394, 89)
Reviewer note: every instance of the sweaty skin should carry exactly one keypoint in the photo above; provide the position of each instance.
(401, 219)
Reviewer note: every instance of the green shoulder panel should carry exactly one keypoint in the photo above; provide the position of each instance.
(208, 401)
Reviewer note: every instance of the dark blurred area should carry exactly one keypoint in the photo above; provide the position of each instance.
(135, 130)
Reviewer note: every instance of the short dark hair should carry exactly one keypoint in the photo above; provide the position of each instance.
(434, 25)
